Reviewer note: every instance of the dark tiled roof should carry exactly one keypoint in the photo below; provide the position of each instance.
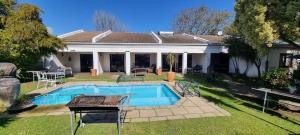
(126, 37)
(178, 38)
(81, 37)
(213, 38)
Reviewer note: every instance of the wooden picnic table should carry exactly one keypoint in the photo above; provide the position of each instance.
(96, 104)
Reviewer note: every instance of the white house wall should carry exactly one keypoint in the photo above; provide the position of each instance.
(197, 59)
(74, 63)
(274, 55)
(252, 70)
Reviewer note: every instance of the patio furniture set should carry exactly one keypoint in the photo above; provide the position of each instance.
(50, 77)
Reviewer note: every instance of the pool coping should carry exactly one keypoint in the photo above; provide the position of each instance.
(71, 84)
(185, 107)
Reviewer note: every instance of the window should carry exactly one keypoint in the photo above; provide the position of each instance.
(285, 60)
(142, 60)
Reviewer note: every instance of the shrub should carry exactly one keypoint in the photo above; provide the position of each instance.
(276, 78)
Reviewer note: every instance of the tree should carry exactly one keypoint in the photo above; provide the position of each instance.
(239, 49)
(200, 20)
(23, 36)
(105, 21)
(170, 60)
(261, 22)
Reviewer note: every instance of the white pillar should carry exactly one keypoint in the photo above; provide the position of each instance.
(127, 62)
(184, 63)
(100, 64)
(206, 62)
(158, 60)
(96, 63)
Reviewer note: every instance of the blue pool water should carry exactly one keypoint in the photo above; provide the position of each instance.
(140, 95)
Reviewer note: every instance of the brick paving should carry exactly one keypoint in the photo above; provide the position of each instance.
(188, 107)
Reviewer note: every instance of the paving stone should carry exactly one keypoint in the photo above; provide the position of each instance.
(146, 108)
(207, 109)
(188, 103)
(127, 120)
(179, 110)
(157, 118)
(209, 115)
(193, 109)
(139, 120)
(163, 112)
(175, 117)
(192, 115)
(56, 113)
(147, 113)
(31, 114)
(168, 106)
(133, 114)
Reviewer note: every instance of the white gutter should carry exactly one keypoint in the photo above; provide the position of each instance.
(70, 33)
(195, 37)
(177, 44)
(157, 38)
(100, 36)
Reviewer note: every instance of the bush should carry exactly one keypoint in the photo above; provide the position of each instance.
(277, 78)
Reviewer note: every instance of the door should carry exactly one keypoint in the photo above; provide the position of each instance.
(142, 60)
(86, 62)
(220, 62)
(117, 63)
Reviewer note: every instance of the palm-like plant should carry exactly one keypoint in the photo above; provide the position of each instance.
(171, 60)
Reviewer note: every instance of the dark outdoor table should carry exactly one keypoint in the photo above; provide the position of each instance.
(96, 104)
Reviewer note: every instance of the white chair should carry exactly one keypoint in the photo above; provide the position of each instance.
(42, 78)
(61, 74)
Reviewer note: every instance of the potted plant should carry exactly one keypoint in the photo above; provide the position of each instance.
(171, 61)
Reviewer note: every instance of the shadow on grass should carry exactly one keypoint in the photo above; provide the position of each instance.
(6, 120)
(227, 95)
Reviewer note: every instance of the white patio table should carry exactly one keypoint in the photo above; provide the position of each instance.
(34, 73)
(52, 77)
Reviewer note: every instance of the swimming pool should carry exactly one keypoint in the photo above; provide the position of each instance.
(140, 95)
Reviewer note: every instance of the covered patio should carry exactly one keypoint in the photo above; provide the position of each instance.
(126, 61)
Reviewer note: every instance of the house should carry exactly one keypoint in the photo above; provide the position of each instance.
(122, 51)
(280, 55)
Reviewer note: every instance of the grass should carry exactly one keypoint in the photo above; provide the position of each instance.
(246, 119)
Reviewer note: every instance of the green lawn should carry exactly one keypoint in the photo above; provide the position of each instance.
(246, 119)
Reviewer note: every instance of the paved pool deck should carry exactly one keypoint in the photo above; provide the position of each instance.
(186, 108)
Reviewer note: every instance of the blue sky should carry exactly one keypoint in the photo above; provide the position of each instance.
(138, 15)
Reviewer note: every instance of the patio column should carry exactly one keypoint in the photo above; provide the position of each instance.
(206, 64)
(127, 62)
(184, 63)
(96, 63)
(158, 60)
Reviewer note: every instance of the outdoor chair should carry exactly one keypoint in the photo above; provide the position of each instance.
(197, 69)
(61, 74)
(42, 78)
(187, 88)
